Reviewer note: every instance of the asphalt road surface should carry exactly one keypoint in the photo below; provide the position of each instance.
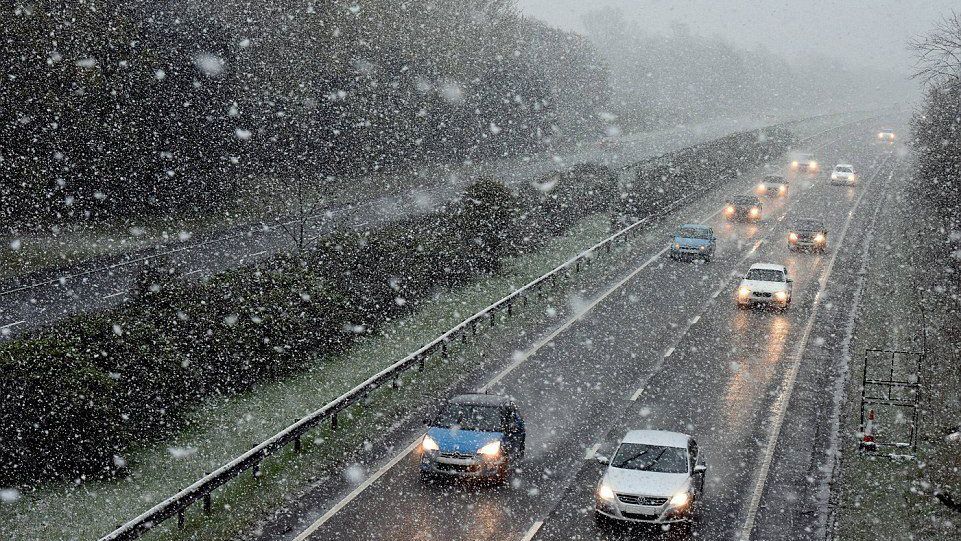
(46, 297)
(662, 348)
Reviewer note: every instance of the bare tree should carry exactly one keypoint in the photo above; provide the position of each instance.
(939, 52)
(304, 204)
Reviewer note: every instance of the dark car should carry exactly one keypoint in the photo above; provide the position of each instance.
(743, 207)
(772, 185)
(808, 234)
(474, 435)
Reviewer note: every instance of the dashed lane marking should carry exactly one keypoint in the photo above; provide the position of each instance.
(532, 531)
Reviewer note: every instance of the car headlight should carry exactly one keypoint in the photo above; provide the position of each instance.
(677, 246)
(880, 136)
(490, 449)
(761, 187)
(812, 165)
(782, 189)
(794, 164)
(702, 248)
(729, 209)
(605, 492)
(681, 499)
(819, 237)
(755, 211)
(792, 237)
(781, 296)
(429, 444)
(743, 291)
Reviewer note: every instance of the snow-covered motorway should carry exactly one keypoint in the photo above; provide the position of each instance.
(662, 347)
(47, 297)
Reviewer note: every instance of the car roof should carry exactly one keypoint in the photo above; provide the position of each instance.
(844, 165)
(481, 399)
(656, 437)
(768, 266)
(887, 129)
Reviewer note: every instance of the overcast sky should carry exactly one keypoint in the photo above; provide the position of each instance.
(866, 32)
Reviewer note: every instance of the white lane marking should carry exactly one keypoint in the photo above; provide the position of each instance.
(532, 531)
(758, 244)
(785, 398)
(195, 271)
(14, 324)
(356, 492)
(637, 393)
(670, 350)
(591, 451)
(697, 318)
(262, 252)
(114, 294)
(718, 292)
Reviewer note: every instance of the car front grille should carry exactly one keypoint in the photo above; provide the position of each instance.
(456, 455)
(641, 500)
(456, 467)
(762, 295)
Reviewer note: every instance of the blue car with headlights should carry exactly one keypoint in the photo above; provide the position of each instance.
(473, 435)
(693, 241)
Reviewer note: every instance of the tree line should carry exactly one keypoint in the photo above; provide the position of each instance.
(111, 109)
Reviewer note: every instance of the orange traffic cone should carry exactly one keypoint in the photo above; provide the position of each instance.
(867, 439)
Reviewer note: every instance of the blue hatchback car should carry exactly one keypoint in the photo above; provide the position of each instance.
(474, 435)
(693, 241)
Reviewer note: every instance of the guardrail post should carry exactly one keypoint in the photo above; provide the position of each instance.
(509, 306)
(394, 383)
(420, 363)
(577, 266)
(181, 518)
(443, 349)
(297, 444)
(333, 422)
(207, 504)
(256, 470)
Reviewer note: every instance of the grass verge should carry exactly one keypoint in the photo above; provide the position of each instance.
(880, 497)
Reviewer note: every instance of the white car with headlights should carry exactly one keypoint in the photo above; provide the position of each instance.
(765, 284)
(844, 173)
(886, 135)
(655, 476)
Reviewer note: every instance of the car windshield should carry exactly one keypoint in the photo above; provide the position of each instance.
(469, 417)
(809, 225)
(694, 233)
(653, 458)
(765, 275)
(775, 180)
(805, 157)
(744, 200)
(841, 169)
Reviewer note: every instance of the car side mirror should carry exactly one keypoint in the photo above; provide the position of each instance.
(790, 280)
(700, 468)
(603, 460)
